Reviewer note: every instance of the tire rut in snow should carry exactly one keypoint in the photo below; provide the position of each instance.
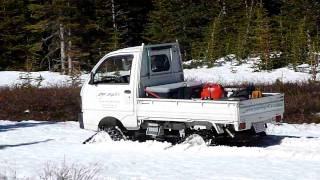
(193, 140)
(99, 137)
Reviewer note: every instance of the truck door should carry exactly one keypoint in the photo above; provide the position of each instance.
(112, 89)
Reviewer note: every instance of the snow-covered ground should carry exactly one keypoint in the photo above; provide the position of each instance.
(27, 147)
(227, 73)
(41, 78)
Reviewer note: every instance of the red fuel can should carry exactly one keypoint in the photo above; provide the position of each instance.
(212, 91)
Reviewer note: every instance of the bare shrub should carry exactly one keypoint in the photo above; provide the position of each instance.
(8, 174)
(302, 102)
(72, 172)
(62, 172)
(54, 103)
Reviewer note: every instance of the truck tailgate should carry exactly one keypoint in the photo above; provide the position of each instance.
(263, 109)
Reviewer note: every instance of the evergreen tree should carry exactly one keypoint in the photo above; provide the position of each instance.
(40, 35)
(13, 37)
(53, 24)
(182, 20)
(105, 27)
(262, 37)
(242, 18)
(212, 42)
(299, 51)
(35, 27)
(162, 26)
(136, 20)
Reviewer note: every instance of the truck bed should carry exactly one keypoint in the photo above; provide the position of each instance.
(217, 112)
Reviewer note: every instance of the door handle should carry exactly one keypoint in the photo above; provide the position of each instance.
(127, 91)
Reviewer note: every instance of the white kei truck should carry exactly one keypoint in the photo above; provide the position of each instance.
(139, 93)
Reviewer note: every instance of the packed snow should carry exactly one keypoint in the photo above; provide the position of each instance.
(225, 72)
(29, 149)
(230, 74)
(39, 79)
(290, 151)
(228, 71)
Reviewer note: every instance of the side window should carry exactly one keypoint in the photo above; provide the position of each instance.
(115, 69)
(160, 63)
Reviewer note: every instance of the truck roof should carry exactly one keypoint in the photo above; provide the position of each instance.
(139, 48)
(129, 49)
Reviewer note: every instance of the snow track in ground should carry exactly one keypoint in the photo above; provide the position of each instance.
(289, 152)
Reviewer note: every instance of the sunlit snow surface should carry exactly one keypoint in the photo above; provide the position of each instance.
(14, 78)
(290, 152)
(226, 74)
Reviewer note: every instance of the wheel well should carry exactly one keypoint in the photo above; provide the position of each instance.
(110, 122)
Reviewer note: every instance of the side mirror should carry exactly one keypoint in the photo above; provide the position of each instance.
(91, 78)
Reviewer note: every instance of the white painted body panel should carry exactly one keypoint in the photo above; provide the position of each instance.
(262, 109)
(177, 110)
(187, 110)
(110, 100)
(216, 112)
(107, 100)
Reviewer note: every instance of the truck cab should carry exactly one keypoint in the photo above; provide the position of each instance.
(140, 91)
(121, 77)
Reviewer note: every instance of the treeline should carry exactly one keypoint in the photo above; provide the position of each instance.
(61, 34)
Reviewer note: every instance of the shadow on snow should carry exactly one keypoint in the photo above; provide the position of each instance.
(18, 125)
(23, 144)
(263, 142)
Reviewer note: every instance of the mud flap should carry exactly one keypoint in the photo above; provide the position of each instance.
(80, 119)
(259, 127)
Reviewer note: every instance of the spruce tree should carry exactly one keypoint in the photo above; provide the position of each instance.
(262, 37)
(13, 37)
(52, 25)
(243, 15)
(162, 23)
(183, 20)
(212, 42)
(299, 49)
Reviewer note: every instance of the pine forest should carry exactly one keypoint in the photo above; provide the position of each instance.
(58, 34)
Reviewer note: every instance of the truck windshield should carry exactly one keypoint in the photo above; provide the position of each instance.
(115, 69)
